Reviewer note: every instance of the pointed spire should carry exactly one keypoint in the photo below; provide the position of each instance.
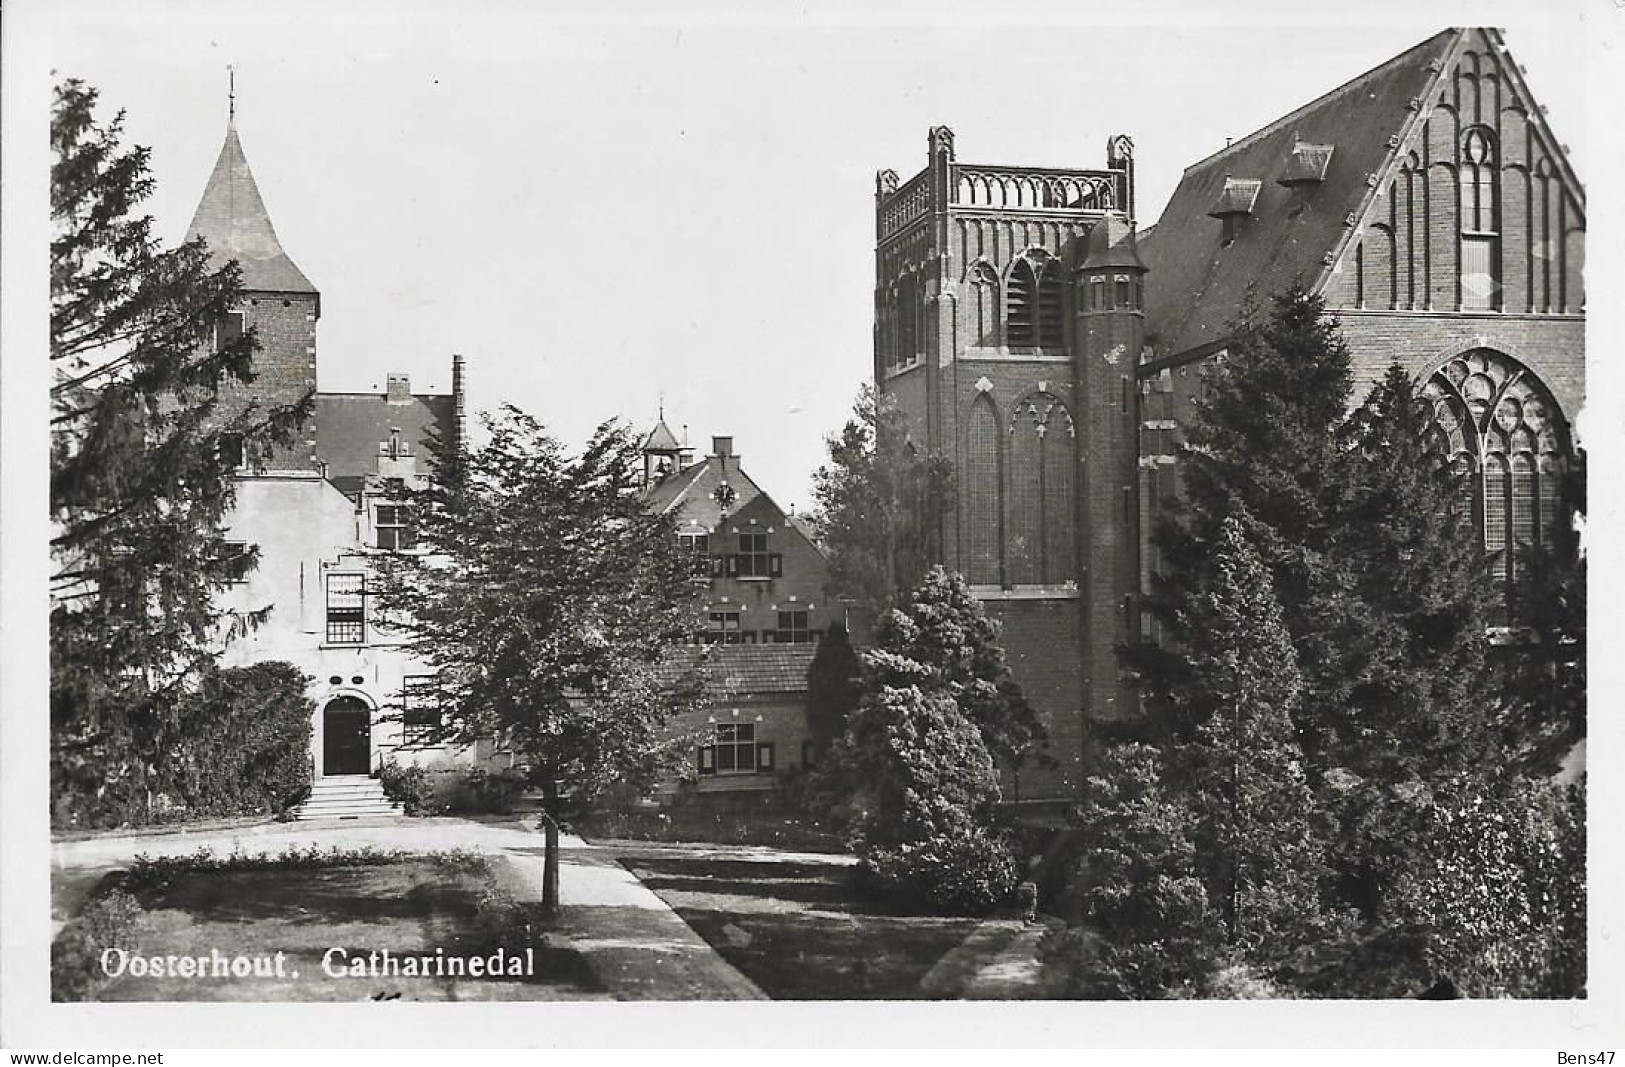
(231, 216)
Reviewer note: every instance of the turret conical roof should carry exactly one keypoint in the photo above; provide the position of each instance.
(232, 218)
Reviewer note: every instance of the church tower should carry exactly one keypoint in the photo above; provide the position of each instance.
(279, 302)
(981, 340)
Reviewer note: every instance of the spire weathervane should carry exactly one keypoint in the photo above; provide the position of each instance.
(231, 91)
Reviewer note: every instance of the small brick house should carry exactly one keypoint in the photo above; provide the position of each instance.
(761, 581)
(1050, 350)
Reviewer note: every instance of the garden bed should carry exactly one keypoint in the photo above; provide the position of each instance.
(312, 926)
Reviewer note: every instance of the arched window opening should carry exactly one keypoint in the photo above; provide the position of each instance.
(1051, 296)
(908, 320)
(1019, 309)
(983, 306)
(1480, 222)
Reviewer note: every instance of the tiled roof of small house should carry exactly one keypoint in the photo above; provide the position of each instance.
(1198, 283)
(741, 670)
(232, 217)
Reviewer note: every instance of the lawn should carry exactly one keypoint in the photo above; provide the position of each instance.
(409, 906)
(792, 923)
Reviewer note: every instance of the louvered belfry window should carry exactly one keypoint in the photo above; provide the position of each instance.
(1051, 294)
(1020, 309)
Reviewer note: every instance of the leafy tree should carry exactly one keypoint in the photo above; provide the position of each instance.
(879, 505)
(545, 599)
(1497, 890)
(139, 486)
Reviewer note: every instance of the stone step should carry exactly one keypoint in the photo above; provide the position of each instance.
(373, 790)
(346, 797)
(304, 814)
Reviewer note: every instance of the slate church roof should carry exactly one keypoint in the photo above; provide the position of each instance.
(1198, 282)
(231, 216)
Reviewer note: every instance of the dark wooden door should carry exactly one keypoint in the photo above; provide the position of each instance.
(346, 737)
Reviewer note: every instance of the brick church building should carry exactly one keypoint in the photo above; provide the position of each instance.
(1050, 347)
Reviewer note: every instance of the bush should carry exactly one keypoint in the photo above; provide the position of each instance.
(410, 786)
(482, 792)
(76, 954)
(960, 874)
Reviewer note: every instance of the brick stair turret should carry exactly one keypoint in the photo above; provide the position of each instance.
(346, 796)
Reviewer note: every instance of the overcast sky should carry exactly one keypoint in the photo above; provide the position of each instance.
(598, 210)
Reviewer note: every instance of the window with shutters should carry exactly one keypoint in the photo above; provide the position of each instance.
(753, 560)
(734, 749)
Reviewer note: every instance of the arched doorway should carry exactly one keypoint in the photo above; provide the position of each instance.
(346, 736)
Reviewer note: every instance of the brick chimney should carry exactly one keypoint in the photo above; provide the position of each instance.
(399, 389)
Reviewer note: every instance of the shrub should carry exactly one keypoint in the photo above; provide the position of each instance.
(76, 954)
(241, 744)
(411, 786)
(483, 792)
(961, 874)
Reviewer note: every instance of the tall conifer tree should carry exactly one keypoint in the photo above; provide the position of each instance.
(139, 483)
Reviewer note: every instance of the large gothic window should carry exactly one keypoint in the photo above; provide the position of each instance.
(1480, 225)
(1499, 424)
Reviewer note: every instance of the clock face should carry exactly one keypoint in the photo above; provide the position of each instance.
(724, 494)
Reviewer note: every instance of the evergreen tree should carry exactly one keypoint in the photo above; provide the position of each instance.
(938, 709)
(1257, 838)
(1263, 439)
(1149, 927)
(926, 788)
(943, 627)
(832, 689)
(546, 598)
(878, 505)
(139, 486)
